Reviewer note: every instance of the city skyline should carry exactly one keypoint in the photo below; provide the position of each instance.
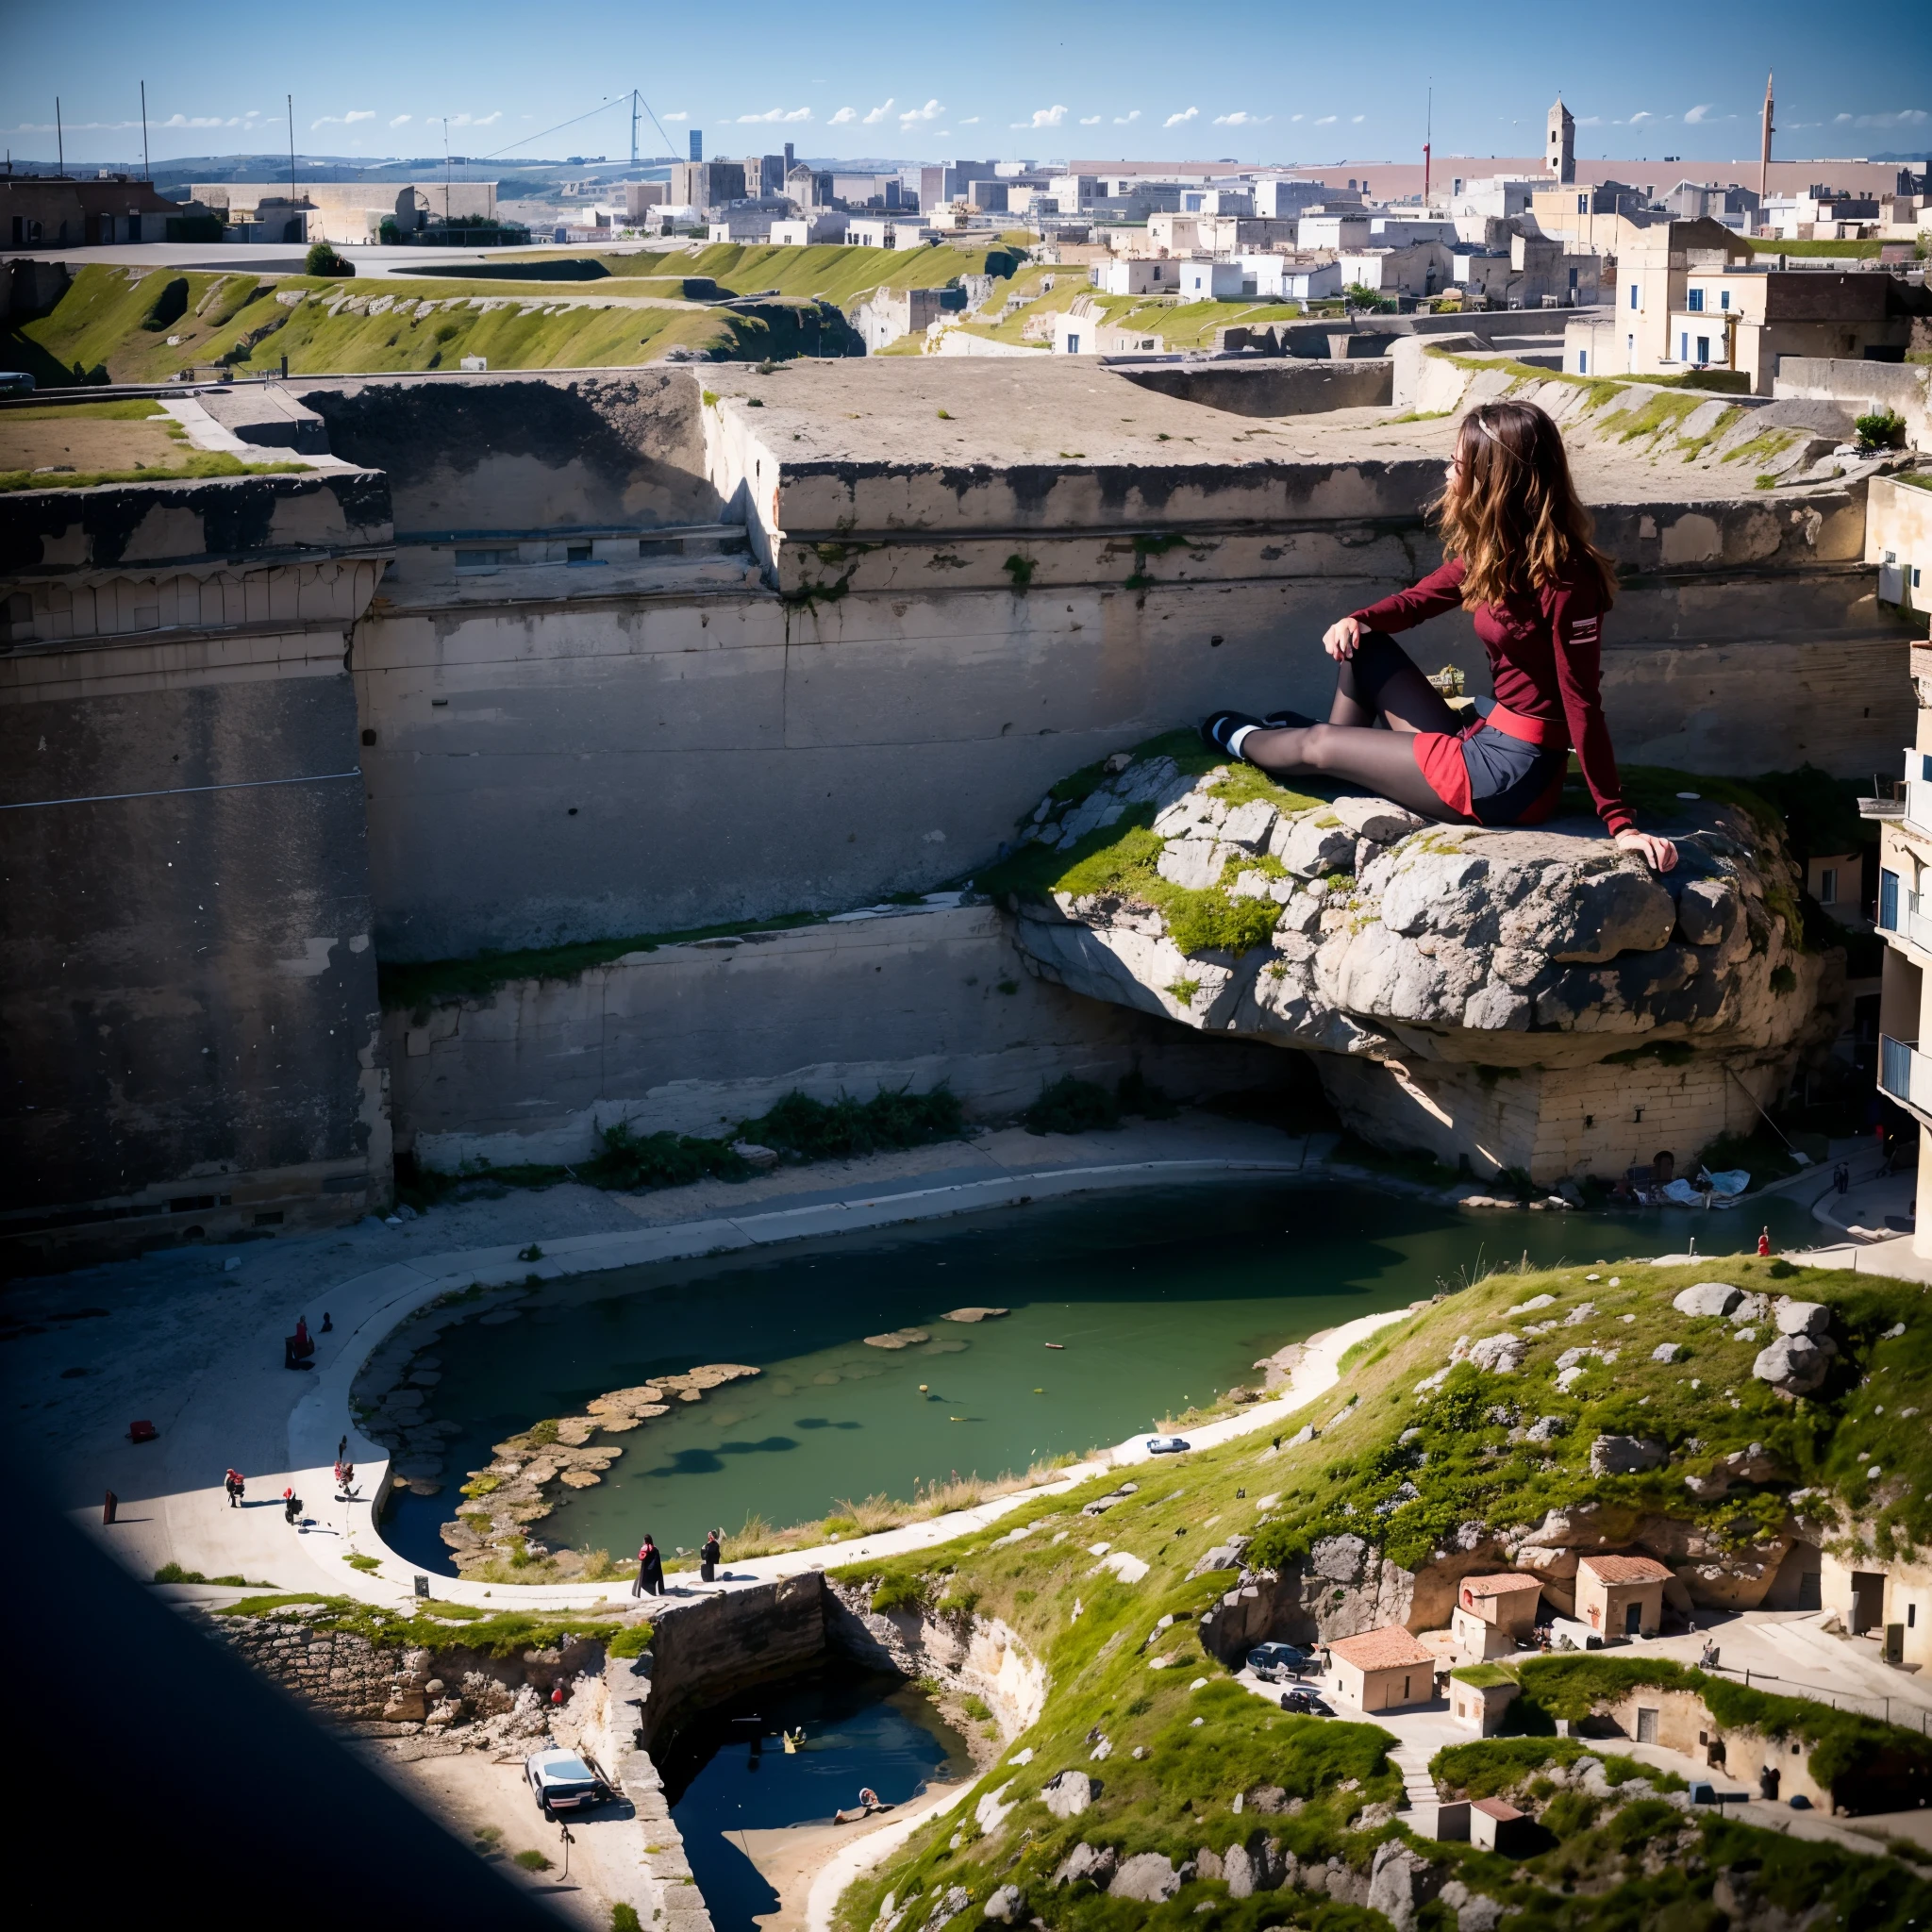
(1253, 92)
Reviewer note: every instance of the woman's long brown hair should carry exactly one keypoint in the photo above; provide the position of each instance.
(1511, 512)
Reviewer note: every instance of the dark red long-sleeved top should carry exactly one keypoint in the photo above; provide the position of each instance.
(1545, 662)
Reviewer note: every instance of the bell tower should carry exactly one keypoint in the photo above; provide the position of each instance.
(1560, 146)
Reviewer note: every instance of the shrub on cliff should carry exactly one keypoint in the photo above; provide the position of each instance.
(322, 260)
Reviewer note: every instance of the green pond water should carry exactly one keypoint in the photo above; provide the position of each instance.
(1125, 1308)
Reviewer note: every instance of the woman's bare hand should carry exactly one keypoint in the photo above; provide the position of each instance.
(1341, 638)
(1659, 853)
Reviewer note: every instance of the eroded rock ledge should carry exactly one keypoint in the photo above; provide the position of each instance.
(1465, 988)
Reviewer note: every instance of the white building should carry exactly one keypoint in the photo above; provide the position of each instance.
(869, 232)
(1136, 278)
(809, 229)
(1210, 281)
(1497, 197)
(1281, 200)
(1276, 278)
(1421, 269)
(1332, 231)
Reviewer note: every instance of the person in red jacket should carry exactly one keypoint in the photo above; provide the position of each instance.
(1519, 559)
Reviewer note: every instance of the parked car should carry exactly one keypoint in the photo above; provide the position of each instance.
(1270, 1662)
(1167, 1445)
(1305, 1704)
(561, 1781)
(16, 382)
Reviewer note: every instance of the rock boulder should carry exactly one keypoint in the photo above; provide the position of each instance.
(1794, 1365)
(1147, 1878)
(1434, 951)
(1707, 1298)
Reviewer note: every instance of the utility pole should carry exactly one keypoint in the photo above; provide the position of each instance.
(59, 141)
(445, 172)
(633, 128)
(1764, 152)
(1428, 137)
(148, 173)
(291, 99)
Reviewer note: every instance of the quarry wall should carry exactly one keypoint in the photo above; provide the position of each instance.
(925, 648)
(191, 1042)
(694, 1038)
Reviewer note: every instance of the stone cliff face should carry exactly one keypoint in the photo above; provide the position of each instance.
(1430, 965)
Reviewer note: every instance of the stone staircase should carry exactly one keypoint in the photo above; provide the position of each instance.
(1418, 1786)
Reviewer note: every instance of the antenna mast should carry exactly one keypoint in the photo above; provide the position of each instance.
(146, 171)
(633, 128)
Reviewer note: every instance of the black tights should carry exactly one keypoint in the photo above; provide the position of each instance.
(1378, 684)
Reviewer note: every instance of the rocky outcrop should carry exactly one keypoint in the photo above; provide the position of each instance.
(1374, 938)
(969, 1655)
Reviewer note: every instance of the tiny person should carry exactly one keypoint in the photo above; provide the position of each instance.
(1763, 1242)
(708, 1556)
(234, 1483)
(650, 1578)
(1520, 558)
(868, 1798)
(291, 1507)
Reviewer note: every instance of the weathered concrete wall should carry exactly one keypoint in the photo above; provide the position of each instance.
(877, 716)
(526, 452)
(706, 1649)
(696, 1038)
(1549, 1122)
(1905, 387)
(192, 1041)
(1271, 388)
(193, 1038)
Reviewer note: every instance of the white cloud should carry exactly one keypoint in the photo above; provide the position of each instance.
(1356, 120)
(843, 116)
(1698, 113)
(348, 120)
(1641, 114)
(195, 121)
(400, 120)
(1046, 117)
(1324, 120)
(1242, 118)
(1905, 117)
(1294, 117)
(1127, 119)
(475, 120)
(682, 114)
(772, 114)
(970, 121)
(1089, 120)
(1178, 120)
(931, 111)
(880, 113)
(1589, 121)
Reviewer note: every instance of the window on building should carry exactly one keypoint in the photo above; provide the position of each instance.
(1911, 1616)
(1693, 301)
(1723, 298)
(1072, 345)
(1887, 901)
(1633, 295)
(1583, 361)
(1683, 346)
(1827, 885)
(1702, 349)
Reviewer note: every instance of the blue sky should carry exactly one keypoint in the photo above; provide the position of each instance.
(1253, 81)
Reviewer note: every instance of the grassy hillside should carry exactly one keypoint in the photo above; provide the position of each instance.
(1403, 1467)
(115, 324)
(844, 275)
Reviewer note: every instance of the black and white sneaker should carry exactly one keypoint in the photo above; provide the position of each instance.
(1288, 721)
(1218, 729)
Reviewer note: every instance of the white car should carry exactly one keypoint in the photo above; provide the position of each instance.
(1167, 1445)
(562, 1781)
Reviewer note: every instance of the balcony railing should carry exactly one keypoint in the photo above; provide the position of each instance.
(1904, 1072)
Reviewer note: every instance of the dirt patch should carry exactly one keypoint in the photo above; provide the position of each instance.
(85, 444)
